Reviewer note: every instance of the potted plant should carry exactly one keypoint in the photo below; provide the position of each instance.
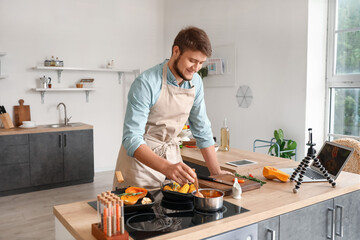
(285, 148)
(203, 72)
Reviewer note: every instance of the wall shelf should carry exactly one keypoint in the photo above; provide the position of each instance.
(43, 90)
(60, 69)
(1, 55)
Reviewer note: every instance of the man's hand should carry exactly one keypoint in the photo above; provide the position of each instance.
(180, 172)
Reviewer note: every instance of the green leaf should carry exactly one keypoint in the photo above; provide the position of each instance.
(271, 148)
(276, 135)
(281, 134)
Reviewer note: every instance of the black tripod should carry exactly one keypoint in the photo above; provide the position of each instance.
(301, 169)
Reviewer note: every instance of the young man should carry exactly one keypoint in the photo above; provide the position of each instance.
(160, 101)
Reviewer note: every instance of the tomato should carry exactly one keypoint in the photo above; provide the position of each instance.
(250, 175)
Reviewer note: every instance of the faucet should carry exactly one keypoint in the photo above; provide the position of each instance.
(66, 119)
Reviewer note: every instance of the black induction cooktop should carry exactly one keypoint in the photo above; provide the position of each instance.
(166, 216)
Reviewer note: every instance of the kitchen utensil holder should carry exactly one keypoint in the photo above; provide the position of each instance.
(100, 235)
(6, 120)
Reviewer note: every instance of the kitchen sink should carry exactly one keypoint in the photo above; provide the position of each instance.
(57, 125)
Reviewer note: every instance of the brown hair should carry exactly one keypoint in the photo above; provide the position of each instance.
(193, 38)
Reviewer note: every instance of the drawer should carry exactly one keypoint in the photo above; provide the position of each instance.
(14, 176)
(14, 149)
(18, 139)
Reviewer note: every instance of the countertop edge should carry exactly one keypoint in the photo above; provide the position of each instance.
(42, 129)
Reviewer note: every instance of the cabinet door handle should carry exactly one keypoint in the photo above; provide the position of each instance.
(60, 141)
(341, 208)
(331, 221)
(64, 140)
(273, 233)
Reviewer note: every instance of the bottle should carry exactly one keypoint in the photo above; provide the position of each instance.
(236, 190)
(225, 137)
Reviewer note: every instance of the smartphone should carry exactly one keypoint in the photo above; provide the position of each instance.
(242, 162)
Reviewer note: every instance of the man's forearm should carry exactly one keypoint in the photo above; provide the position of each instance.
(144, 154)
(212, 164)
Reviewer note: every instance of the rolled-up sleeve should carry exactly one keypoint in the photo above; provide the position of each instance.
(137, 112)
(200, 125)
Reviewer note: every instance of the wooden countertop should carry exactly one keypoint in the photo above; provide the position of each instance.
(272, 199)
(42, 129)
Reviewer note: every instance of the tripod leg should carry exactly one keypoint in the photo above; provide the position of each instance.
(297, 170)
(304, 164)
(325, 172)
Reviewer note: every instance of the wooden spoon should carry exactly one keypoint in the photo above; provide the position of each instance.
(197, 193)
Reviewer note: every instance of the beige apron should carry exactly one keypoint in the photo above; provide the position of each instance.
(165, 121)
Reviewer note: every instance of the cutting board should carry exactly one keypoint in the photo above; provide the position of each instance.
(227, 189)
(21, 113)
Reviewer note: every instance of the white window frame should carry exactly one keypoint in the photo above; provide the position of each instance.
(333, 80)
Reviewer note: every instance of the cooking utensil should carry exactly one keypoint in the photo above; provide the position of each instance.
(21, 113)
(175, 196)
(212, 179)
(212, 201)
(197, 193)
(5, 119)
(245, 186)
(138, 206)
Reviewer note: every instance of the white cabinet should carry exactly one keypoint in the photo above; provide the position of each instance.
(2, 54)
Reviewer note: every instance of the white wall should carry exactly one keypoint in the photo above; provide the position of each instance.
(316, 69)
(270, 37)
(83, 33)
(271, 40)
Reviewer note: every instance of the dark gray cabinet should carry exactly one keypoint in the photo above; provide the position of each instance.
(14, 162)
(46, 158)
(78, 155)
(269, 229)
(43, 160)
(61, 157)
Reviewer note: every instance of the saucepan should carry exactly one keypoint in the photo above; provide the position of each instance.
(212, 201)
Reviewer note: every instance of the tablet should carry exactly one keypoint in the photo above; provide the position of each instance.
(242, 162)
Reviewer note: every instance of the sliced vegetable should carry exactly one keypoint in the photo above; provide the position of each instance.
(184, 188)
(130, 199)
(167, 188)
(239, 180)
(176, 186)
(192, 188)
(250, 178)
(143, 191)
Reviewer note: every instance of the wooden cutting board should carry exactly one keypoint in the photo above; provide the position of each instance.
(21, 113)
(245, 186)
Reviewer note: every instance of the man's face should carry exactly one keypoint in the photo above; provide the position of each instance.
(188, 63)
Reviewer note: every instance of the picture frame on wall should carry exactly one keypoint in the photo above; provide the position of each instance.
(221, 67)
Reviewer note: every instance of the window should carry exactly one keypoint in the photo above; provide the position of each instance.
(343, 69)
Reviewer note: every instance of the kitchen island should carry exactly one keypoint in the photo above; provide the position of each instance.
(317, 210)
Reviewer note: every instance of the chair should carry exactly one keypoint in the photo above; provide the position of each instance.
(353, 164)
(269, 144)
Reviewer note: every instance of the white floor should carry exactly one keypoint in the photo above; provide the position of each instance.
(30, 215)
